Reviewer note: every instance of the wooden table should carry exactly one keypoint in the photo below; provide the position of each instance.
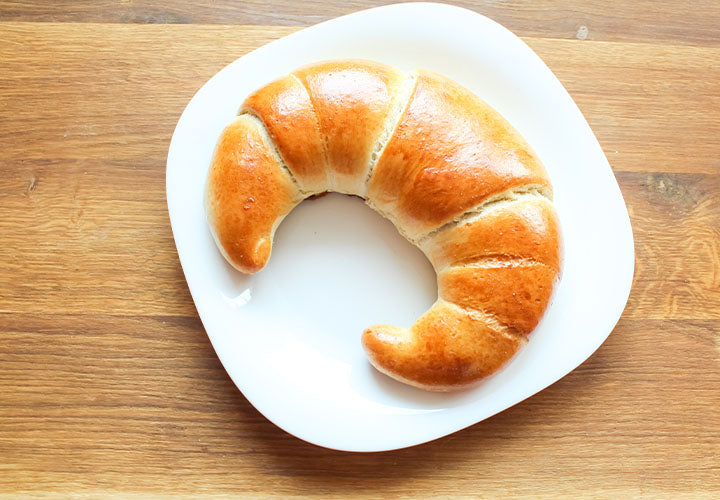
(109, 386)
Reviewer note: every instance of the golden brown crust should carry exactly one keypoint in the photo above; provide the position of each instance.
(514, 292)
(447, 348)
(449, 152)
(525, 229)
(352, 100)
(247, 193)
(454, 176)
(285, 108)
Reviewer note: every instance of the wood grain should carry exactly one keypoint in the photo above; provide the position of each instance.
(656, 21)
(110, 388)
(146, 398)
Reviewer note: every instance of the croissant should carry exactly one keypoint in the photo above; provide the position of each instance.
(448, 170)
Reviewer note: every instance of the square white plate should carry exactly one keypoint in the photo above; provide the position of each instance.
(289, 336)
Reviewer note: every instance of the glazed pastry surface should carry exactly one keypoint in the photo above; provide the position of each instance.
(451, 173)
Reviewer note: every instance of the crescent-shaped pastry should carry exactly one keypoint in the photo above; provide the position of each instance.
(448, 170)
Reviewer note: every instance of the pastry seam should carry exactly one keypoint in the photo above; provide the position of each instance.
(275, 152)
(397, 110)
(329, 171)
(508, 197)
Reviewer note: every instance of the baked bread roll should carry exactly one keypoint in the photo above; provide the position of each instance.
(452, 175)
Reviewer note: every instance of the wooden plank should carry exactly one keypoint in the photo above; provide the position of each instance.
(90, 401)
(88, 236)
(640, 21)
(653, 108)
(73, 245)
(676, 226)
(92, 112)
(85, 91)
(106, 91)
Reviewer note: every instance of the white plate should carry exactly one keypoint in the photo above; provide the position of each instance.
(290, 336)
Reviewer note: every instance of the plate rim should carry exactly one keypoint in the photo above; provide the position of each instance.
(309, 31)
